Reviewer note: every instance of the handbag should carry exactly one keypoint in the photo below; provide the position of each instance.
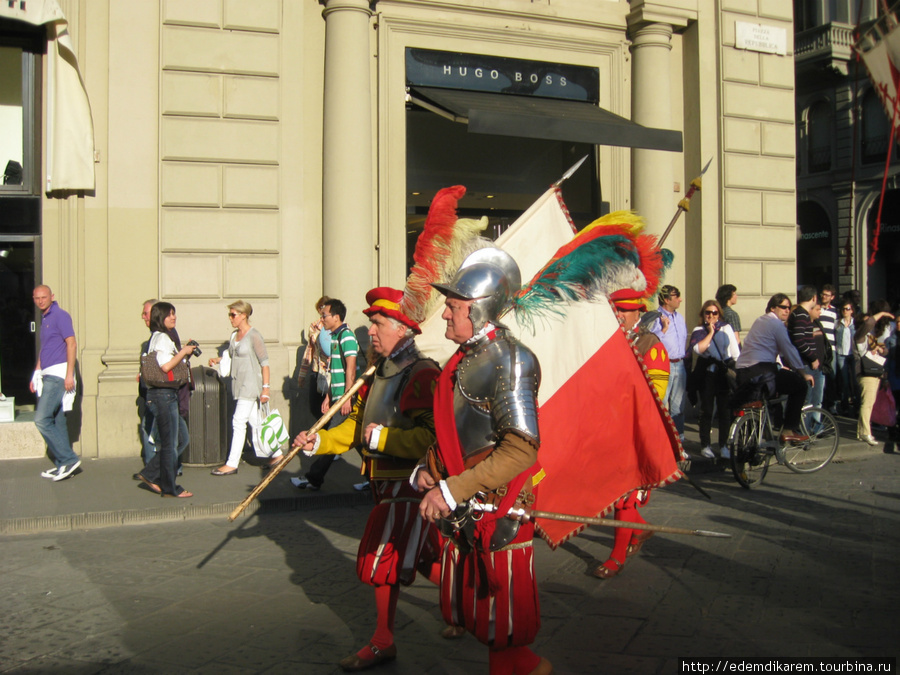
(323, 386)
(155, 377)
(884, 411)
(871, 364)
(270, 433)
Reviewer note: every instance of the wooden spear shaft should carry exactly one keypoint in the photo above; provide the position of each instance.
(321, 422)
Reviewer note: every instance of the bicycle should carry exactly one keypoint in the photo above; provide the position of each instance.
(754, 443)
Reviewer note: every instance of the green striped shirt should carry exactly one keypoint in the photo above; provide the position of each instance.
(343, 345)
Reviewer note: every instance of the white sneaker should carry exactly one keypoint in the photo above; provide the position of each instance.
(708, 453)
(724, 452)
(49, 473)
(66, 471)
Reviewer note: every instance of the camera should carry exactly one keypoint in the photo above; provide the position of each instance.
(196, 346)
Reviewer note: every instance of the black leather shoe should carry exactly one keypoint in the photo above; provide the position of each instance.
(354, 663)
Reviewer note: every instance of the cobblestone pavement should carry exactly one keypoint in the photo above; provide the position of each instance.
(811, 571)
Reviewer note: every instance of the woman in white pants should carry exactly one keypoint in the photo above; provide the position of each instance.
(249, 381)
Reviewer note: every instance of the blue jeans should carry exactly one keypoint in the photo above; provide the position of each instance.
(50, 420)
(816, 392)
(675, 394)
(150, 430)
(163, 404)
(846, 377)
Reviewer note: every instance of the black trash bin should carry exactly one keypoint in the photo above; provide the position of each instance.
(208, 420)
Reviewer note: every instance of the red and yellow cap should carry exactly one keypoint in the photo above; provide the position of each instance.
(628, 299)
(386, 300)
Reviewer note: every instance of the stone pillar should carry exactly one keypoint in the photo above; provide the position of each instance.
(651, 102)
(348, 231)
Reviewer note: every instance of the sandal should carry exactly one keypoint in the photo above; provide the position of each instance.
(604, 572)
(184, 494)
(637, 540)
(453, 632)
(153, 487)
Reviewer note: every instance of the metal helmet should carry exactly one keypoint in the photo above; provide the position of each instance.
(490, 277)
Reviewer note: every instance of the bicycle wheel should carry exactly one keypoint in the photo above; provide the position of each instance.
(815, 453)
(749, 461)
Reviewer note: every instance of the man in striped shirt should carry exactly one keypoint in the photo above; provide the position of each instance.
(342, 368)
(828, 319)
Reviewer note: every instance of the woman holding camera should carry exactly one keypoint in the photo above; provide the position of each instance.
(249, 381)
(716, 347)
(159, 473)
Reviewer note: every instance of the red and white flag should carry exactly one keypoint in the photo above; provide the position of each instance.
(603, 430)
(880, 51)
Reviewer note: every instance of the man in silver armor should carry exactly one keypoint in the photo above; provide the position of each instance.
(486, 423)
(392, 424)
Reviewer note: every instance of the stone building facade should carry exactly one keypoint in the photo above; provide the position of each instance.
(277, 150)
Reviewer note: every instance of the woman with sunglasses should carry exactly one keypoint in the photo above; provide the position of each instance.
(716, 347)
(249, 381)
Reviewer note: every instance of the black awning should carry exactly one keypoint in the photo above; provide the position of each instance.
(552, 119)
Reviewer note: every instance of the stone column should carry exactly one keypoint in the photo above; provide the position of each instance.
(652, 195)
(348, 231)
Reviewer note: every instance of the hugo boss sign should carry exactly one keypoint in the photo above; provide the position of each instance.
(497, 74)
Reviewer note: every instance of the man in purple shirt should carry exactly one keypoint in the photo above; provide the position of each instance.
(672, 332)
(54, 378)
(767, 340)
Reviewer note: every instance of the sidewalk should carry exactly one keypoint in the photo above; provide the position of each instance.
(104, 493)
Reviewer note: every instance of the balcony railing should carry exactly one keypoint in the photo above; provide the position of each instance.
(831, 44)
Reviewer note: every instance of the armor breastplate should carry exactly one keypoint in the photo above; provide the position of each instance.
(383, 401)
(496, 390)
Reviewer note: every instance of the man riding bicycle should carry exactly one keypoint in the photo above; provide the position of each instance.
(758, 364)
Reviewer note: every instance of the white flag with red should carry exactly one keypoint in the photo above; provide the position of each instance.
(603, 430)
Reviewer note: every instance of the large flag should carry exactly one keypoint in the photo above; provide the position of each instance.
(880, 51)
(603, 429)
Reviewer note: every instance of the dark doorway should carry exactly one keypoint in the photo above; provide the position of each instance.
(17, 317)
(815, 257)
(503, 176)
(881, 281)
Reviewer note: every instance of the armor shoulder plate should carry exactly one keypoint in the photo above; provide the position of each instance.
(502, 378)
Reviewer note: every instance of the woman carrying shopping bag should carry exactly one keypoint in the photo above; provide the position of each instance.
(249, 382)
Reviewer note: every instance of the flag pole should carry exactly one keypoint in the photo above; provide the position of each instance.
(685, 203)
(321, 422)
(526, 514)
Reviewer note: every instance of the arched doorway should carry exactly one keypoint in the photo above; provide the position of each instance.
(882, 277)
(815, 256)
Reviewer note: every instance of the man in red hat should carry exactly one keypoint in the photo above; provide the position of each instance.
(629, 305)
(393, 425)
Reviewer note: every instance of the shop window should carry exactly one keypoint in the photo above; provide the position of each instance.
(819, 137)
(503, 175)
(876, 129)
(20, 85)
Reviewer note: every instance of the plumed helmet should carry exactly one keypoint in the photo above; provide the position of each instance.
(490, 277)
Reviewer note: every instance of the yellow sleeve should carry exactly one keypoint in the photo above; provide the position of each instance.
(344, 436)
(409, 443)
